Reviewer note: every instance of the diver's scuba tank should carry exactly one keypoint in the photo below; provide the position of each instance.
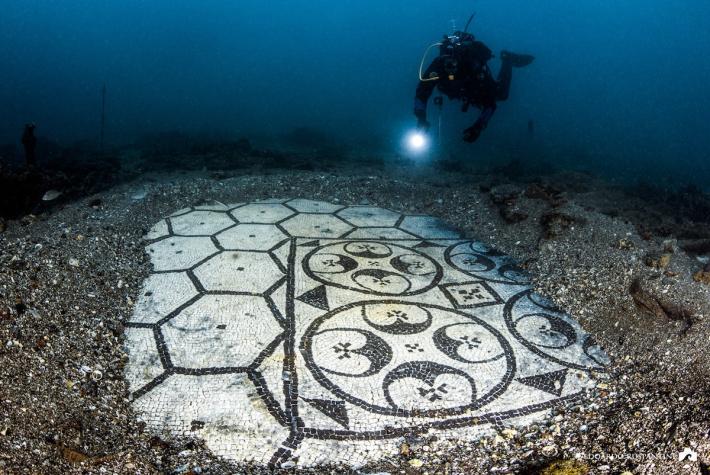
(453, 49)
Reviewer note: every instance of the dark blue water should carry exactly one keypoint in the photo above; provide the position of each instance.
(619, 88)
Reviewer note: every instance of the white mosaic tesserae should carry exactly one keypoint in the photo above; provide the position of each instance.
(307, 332)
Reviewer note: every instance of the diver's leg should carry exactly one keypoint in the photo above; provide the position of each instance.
(505, 76)
(509, 61)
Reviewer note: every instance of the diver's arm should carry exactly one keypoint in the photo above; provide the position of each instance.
(486, 115)
(472, 133)
(424, 91)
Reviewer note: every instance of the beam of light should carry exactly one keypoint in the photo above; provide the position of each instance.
(417, 142)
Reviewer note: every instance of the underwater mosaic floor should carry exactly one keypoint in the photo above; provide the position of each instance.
(304, 332)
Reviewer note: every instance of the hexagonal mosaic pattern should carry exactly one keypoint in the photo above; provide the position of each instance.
(300, 332)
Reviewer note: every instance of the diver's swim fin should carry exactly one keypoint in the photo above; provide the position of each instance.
(517, 60)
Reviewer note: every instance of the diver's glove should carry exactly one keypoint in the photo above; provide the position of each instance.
(423, 125)
(471, 134)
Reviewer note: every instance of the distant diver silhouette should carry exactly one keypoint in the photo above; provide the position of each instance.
(29, 142)
(461, 72)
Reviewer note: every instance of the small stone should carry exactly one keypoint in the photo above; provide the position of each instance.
(182, 469)
(549, 451)
(669, 246)
(416, 463)
(625, 244)
(702, 276)
(41, 343)
(665, 260)
(51, 195)
(404, 450)
(139, 194)
(658, 261)
(73, 262)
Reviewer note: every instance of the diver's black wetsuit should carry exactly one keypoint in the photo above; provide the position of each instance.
(471, 81)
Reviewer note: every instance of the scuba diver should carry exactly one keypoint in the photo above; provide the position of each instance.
(461, 72)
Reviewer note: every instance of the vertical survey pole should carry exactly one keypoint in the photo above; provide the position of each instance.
(439, 102)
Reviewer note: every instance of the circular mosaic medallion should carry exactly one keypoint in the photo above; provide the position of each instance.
(303, 332)
(373, 268)
(408, 359)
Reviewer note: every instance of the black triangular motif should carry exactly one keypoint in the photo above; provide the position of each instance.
(316, 297)
(310, 244)
(549, 382)
(336, 410)
(428, 244)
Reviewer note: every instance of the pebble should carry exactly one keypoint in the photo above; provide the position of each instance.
(416, 463)
(139, 194)
(549, 451)
(51, 195)
(404, 450)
